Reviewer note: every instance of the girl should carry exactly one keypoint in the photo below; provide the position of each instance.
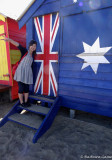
(24, 74)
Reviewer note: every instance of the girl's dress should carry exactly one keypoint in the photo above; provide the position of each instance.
(24, 72)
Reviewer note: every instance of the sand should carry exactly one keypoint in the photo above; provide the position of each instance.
(88, 136)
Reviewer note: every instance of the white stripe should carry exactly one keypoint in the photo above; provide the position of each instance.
(55, 32)
(49, 77)
(38, 34)
(54, 79)
(35, 86)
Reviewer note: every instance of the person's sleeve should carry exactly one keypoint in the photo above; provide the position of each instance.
(22, 49)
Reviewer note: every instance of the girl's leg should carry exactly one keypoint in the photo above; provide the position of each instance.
(23, 88)
(26, 94)
(26, 97)
(20, 92)
(20, 95)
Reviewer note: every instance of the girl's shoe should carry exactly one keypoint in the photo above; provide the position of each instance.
(22, 104)
(27, 104)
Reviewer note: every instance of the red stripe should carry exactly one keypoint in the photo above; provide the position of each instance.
(53, 84)
(46, 54)
(38, 28)
(43, 57)
(38, 82)
(54, 28)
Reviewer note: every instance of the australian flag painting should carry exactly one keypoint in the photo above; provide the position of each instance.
(86, 62)
(45, 61)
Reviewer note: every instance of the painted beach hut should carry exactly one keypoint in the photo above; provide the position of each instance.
(74, 52)
(9, 54)
(74, 58)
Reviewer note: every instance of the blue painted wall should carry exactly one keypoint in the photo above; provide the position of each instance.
(82, 25)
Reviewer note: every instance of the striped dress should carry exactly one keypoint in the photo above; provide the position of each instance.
(24, 72)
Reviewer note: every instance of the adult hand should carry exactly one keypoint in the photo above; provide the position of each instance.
(11, 41)
(5, 39)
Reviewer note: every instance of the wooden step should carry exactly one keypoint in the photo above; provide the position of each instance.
(28, 119)
(42, 98)
(36, 109)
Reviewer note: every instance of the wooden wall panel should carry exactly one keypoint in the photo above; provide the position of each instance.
(15, 33)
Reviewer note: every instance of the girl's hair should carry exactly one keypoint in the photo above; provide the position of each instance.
(31, 43)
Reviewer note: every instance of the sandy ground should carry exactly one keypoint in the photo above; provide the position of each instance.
(88, 136)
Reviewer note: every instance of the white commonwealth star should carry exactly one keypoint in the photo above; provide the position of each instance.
(93, 55)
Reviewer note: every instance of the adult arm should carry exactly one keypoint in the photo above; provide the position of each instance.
(22, 49)
(11, 41)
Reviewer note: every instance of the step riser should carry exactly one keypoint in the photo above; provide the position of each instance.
(33, 111)
(42, 99)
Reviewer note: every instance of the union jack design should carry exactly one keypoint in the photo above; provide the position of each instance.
(46, 36)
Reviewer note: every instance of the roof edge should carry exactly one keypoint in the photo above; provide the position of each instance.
(30, 11)
(30, 4)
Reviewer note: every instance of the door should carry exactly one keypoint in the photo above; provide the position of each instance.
(46, 33)
(5, 68)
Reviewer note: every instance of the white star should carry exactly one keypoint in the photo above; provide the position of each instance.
(74, 1)
(93, 55)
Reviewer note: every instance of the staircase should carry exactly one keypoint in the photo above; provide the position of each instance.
(39, 116)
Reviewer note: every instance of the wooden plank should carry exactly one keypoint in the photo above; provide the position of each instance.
(68, 9)
(29, 34)
(50, 1)
(85, 82)
(103, 68)
(87, 75)
(28, 119)
(66, 3)
(4, 88)
(97, 109)
(69, 58)
(94, 97)
(48, 8)
(84, 89)
(82, 101)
